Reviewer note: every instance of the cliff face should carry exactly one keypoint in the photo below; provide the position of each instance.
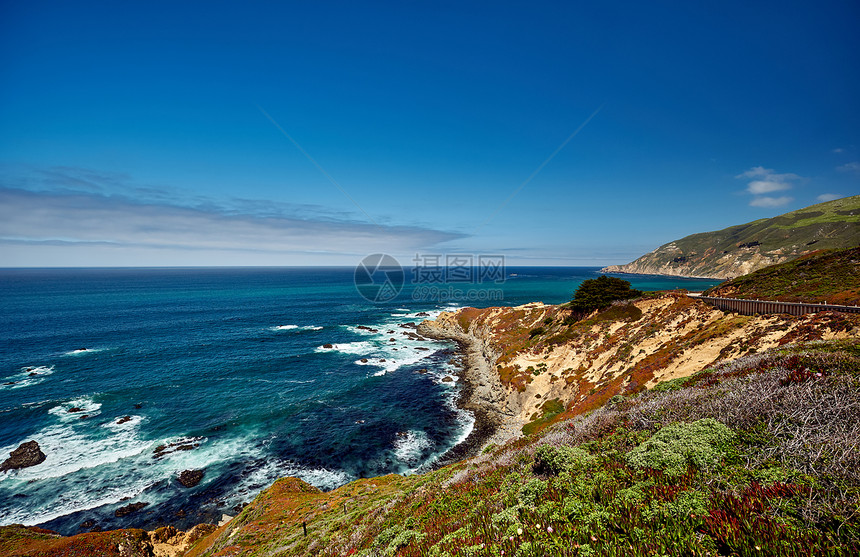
(745, 248)
(531, 356)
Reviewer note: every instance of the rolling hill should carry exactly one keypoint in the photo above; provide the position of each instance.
(742, 249)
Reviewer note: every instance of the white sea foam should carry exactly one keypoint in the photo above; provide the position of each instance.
(87, 407)
(409, 447)
(68, 450)
(82, 351)
(348, 348)
(76, 498)
(296, 328)
(31, 375)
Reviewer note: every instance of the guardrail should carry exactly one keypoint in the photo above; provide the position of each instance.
(751, 307)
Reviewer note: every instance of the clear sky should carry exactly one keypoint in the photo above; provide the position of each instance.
(159, 133)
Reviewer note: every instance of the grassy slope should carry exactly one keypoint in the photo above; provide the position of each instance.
(777, 469)
(830, 225)
(822, 276)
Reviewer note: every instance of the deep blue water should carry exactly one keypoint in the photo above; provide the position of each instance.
(231, 364)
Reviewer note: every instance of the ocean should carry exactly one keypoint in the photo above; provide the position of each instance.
(127, 377)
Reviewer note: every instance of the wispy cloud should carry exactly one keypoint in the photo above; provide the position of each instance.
(853, 167)
(79, 213)
(765, 180)
(828, 197)
(839, 150)
(768, 202)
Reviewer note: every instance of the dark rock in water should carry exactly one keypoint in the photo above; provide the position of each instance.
(421, 348)
(392, 340)
(328, 346)
(382, 360)
(138, 406)
(180, 513)
(128, 509)
(422, 314)
(123, 420)
(447, 379)
(20, 495)
(190, 478)
(364, 360)
(84, 417)
(390, 332)
(422, 370)
(87, 524)
(74, 409)
(27, 454)
(163, 450)
(32, 374)
(9, 383)
(238, 508)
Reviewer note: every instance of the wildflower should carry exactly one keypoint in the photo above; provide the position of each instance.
(549, 529)
(593, 539)
(511, 538)
(817, 375)
(757, 548)
(519, 531)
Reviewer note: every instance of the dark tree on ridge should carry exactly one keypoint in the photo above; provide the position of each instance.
(599, 293)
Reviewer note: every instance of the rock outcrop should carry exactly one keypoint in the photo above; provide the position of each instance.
(515, 376)
(190, 478)
(26, 455)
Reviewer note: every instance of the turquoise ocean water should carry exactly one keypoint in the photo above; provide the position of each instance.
(228, 371)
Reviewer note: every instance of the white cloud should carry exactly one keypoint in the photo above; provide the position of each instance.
(849, 167)
(827, 197)
(766, 180)
(93, 222)
(758, 187)
(769, 202)
(839, 150)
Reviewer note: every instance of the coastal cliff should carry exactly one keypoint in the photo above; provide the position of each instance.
(742, 249)
(529, 361)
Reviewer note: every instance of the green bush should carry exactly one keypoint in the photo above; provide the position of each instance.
(700, 444)
(552, 460)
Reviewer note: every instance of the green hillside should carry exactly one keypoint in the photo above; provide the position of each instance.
(742, 249)
(821, 276)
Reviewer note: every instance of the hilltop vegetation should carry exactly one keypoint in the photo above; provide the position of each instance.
(745, 248)
(821, 276)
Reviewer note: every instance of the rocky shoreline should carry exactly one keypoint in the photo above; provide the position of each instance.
(482, 392)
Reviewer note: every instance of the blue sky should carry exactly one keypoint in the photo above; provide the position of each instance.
(156, 133)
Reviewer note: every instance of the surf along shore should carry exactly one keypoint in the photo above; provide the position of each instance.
(482, 392)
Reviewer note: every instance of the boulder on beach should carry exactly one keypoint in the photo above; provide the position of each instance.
(27, 454)
(190, 478)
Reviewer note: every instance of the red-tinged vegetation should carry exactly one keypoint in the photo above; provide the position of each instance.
(21, 541)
